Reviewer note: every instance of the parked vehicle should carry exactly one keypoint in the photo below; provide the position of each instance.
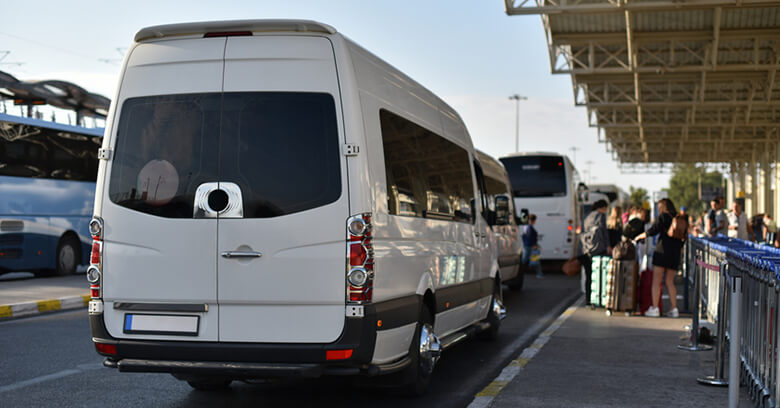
(509, 246)
(545, 184)
(47, 185)
(278, 201)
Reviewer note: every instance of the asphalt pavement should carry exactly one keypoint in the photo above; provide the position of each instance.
(49, 360)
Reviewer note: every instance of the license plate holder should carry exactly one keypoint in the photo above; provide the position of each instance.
(169, 325)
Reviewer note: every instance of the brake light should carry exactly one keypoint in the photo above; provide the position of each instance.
(360, 259)
(338, 354)
(228, 34)
(94, 271)
(106, 348)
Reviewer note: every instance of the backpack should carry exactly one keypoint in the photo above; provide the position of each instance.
(624, 251)
(679, 228)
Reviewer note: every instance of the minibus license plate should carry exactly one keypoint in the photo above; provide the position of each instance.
(176, 325)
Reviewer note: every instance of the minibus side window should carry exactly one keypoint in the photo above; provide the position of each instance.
(427, 175)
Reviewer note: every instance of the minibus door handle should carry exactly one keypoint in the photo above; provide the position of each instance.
(241, 254)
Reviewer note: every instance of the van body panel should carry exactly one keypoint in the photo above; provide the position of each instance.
(294, 292)
(393, 344)
(145, 257)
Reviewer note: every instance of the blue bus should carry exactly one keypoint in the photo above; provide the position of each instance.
(47, 188)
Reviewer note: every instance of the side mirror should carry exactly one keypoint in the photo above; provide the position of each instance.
(584, 196)
(523, 218)
(501, 215)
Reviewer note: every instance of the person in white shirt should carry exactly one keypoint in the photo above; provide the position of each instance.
(738, 225)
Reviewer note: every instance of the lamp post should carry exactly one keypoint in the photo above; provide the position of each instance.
(574, 154)
(517, 98)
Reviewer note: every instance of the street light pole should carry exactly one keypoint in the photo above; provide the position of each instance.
(574, 154)
(517, 98)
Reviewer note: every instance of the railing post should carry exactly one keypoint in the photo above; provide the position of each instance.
(718, 379)
(694, 345)
(687, 277)
(735, 337)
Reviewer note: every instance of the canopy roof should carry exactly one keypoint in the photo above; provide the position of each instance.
(670, 81)
(61, 94)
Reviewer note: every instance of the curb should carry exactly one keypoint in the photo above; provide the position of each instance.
(485, 397)
(25, 309)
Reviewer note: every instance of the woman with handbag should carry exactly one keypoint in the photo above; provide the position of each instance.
(671, 230)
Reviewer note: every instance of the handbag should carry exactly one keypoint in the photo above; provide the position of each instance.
(572, 267)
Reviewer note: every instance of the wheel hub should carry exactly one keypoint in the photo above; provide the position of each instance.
(498, 309)
(430, 348)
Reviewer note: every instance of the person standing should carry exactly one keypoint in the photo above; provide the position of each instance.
(594, 240)
(666, 257)
(770, 229)
(614, 226)
(531, 245)
(738, 223)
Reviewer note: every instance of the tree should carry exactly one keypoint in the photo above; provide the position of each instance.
(684, 186)
(638, 196)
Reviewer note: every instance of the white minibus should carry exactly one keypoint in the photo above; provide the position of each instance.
(274, 200)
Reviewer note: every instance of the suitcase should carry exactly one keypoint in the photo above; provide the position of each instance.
(621, 285)
(599, 266)
(646, 292)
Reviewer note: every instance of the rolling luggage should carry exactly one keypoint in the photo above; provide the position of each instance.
(621, 285)
(598, 277)
(645, 292)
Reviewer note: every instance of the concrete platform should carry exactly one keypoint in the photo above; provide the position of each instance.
(595, 360)
(21, 296)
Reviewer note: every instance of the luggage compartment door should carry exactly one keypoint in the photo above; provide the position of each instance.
(281, 261)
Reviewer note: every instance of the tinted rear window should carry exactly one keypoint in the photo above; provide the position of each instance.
(536, 176)
(281, 149)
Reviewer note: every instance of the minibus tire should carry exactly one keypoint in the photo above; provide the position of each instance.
(491, 333)
(209, 383)
(69, 249)
(517, 282)
(415, 380)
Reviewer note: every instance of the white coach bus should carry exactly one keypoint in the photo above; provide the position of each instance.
(545, 184)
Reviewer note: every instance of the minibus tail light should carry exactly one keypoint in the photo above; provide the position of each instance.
(106, 349)
(360, 259)
(94, 271)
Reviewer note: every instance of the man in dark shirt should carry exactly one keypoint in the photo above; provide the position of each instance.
(594, 240)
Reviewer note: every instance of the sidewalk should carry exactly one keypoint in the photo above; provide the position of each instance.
(593, 360)
(27, 297)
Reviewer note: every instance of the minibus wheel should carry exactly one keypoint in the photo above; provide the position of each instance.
(424, 352)
(517, 282)
(494, 314)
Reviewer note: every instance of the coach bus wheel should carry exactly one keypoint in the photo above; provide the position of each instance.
(68, 255)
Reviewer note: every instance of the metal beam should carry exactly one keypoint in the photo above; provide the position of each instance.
(550, 7)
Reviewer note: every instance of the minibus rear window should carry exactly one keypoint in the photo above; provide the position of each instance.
(280, 148)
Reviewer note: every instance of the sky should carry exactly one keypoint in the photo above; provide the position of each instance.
(468, 52)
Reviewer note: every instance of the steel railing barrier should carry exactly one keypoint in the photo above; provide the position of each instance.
(693, 251)
(736, 285)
